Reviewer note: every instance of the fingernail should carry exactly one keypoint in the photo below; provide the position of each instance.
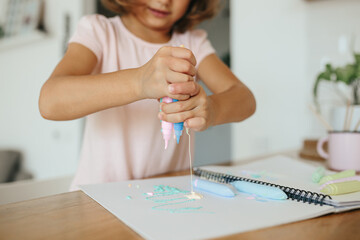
(171, 88)
(186, 125)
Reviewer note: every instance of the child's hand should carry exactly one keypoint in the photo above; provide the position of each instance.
(169, 65)
(196, 112)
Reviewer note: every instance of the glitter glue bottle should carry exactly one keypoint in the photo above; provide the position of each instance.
(178, 128)
(166, 127)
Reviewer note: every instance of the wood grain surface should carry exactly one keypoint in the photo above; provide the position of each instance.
(74, 215)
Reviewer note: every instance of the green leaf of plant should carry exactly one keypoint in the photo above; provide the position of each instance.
(346, 74)
(326, 75)
(321, 76)
(329, 68)
(357, 58)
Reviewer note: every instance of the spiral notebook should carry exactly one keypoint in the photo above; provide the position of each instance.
(215, 216)
(290, 175)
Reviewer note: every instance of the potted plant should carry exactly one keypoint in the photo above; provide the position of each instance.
(349, 75)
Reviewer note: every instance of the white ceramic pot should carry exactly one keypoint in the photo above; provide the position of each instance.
(337, 117)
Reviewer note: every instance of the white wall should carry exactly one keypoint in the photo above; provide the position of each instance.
(276, 48)
(50, 149)
(268, 44)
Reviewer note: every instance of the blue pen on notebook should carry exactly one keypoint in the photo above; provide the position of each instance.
(260, 190)
(214, 188)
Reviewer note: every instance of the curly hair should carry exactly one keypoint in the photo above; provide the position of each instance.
(198, 11)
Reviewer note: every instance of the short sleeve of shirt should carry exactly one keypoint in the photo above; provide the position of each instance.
(90, 33)
(201, 45)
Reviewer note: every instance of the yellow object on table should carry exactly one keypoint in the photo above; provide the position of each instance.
(343, 174)
(341, 188)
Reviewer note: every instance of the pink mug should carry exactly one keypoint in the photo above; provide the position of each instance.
(344, 150)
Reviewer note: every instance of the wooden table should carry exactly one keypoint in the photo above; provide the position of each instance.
(74, 215)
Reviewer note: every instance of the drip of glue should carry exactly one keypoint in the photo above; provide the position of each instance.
(192, 195)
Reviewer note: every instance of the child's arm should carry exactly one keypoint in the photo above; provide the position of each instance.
(71, 92)
(231, 101)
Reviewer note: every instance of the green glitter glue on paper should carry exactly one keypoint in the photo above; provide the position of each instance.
(318, 174)
(167, 196)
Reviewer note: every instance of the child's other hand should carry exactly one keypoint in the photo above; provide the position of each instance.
(196, 112)
(169, 65)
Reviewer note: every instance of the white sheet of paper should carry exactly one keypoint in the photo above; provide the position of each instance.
(218, 216)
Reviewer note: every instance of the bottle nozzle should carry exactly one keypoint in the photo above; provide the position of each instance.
(178, 133)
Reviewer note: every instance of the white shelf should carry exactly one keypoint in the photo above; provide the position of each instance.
(18, 41)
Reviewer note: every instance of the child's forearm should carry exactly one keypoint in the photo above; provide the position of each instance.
(234, 105)
(72, 97)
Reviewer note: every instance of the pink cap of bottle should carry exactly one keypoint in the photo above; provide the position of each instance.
(167, 128)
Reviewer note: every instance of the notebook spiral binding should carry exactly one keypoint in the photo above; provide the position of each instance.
(292, 193)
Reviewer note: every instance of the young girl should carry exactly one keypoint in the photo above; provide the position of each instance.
(116, 69)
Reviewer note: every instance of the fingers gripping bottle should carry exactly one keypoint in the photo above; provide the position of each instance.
(178, 127)
(167, 127)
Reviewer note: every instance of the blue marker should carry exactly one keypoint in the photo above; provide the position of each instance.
(260, 190)
(178, 127)
(212, 187)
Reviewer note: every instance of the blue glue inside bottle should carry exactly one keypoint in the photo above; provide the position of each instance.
(178, 127)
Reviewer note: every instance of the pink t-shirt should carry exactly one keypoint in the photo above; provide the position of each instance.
(125, 142)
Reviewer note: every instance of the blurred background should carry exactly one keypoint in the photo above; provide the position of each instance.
(277, 48)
